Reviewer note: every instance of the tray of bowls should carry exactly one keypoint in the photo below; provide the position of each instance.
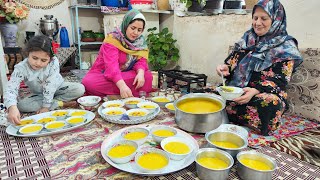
(49, 123)
(149, 150)
(129, 111)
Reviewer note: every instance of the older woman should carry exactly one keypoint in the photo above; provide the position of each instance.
(262, 63)
(121, 66)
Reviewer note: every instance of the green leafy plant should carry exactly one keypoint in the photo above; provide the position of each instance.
(189, 2)
(162, 48)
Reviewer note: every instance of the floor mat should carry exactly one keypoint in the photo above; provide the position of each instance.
(292, 125)
(296, 146)
(21, 158)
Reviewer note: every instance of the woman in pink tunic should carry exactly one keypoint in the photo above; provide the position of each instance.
(121, 66)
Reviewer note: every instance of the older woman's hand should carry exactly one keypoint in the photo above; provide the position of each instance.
(223, 69)
(247, 96)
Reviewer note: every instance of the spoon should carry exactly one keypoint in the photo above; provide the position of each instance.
(224, 87)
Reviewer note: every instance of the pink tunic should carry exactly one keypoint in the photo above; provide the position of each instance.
(105, 73)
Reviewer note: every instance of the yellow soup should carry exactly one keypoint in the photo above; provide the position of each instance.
(161, 100)
(153, 161)
(132, 102)
(148, 106)
(199, 105)
(31, 129)
(46, 120)
(177, 148)
(60, 113)
(114, 112)
(26, 121)
(171, 107)
(137, 113)
(225, 144)
(212, 163)
(78, 113)
(255, 164)
(113, 105)
(163, 133)
(55, 125)
(135, 135)
(76, 120)
(122, 150)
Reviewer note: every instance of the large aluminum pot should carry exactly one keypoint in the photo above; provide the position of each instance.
(200, 123)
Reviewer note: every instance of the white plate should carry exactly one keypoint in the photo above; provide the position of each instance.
(14, 132)
(125, 119)
(131, 166)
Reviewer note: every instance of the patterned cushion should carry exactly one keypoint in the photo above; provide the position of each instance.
(304, 87)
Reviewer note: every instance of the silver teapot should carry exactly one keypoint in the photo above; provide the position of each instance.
(49, 26)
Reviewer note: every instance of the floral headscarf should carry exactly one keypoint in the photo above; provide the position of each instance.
(275, 46)
(134, 49)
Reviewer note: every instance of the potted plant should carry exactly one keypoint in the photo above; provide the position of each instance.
(194, 5)
(162, 49)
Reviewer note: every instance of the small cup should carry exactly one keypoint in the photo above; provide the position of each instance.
(160, 165)
(75, 120)
(55, 125)
(114, 112)
(141, 135)
(160, 132)
(136, 114)
(177, 155)
(150, 106)
(31, 129)
(126, 158)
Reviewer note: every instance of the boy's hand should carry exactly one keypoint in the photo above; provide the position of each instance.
(14, 115)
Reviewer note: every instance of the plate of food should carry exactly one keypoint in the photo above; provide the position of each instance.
(139, 145)
(143, 112)
(49, 123)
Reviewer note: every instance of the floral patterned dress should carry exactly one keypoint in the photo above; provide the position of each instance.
(264, 110)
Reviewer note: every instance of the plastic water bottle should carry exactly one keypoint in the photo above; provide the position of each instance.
(64, 38)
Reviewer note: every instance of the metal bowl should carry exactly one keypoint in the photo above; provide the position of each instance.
(200, 123)
(234, 138)
(208, 173)
(248, 173)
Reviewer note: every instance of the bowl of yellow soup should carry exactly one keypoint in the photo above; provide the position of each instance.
(115, 103)
(114, 113)
(31, 129)
(230, 142)
(200, 112)
(161, 132)
(253, 165)
(170, 107)
(136, 134)
(55, 125)
(139, 113)
(213, 163)
(75, 120)
(162, 100)
(150, 106)
(24, 122)
(178, 148)
(151, 160)
(230, 92)
(77, 113)
(47, 119)
(122, 151)
(132, 102)
(59, 114)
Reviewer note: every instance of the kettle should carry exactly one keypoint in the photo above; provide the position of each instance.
(85, 65)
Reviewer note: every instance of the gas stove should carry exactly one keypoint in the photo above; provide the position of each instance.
(181, 80)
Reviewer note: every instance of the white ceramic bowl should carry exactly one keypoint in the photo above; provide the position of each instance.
(60, 114)
(132, 102)
(135, 114)
(31, 129)
(125, 159)
(150, 106)
(162, 100)
(115, 103)
(77, 113)
(55, 125)
(170, 110)
(75, 120)
(158, 138)
(176, 156)
(237, 92)
(46, 119)
(143, 152)
(111, 110)
(139, 141)
(89, 108)
(89, 100)
(24, 122)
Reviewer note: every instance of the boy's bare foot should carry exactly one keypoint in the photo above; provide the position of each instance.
(70, 104)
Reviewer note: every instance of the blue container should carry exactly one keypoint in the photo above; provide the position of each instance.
(123, 3)
(64, 37)
(115, 3)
